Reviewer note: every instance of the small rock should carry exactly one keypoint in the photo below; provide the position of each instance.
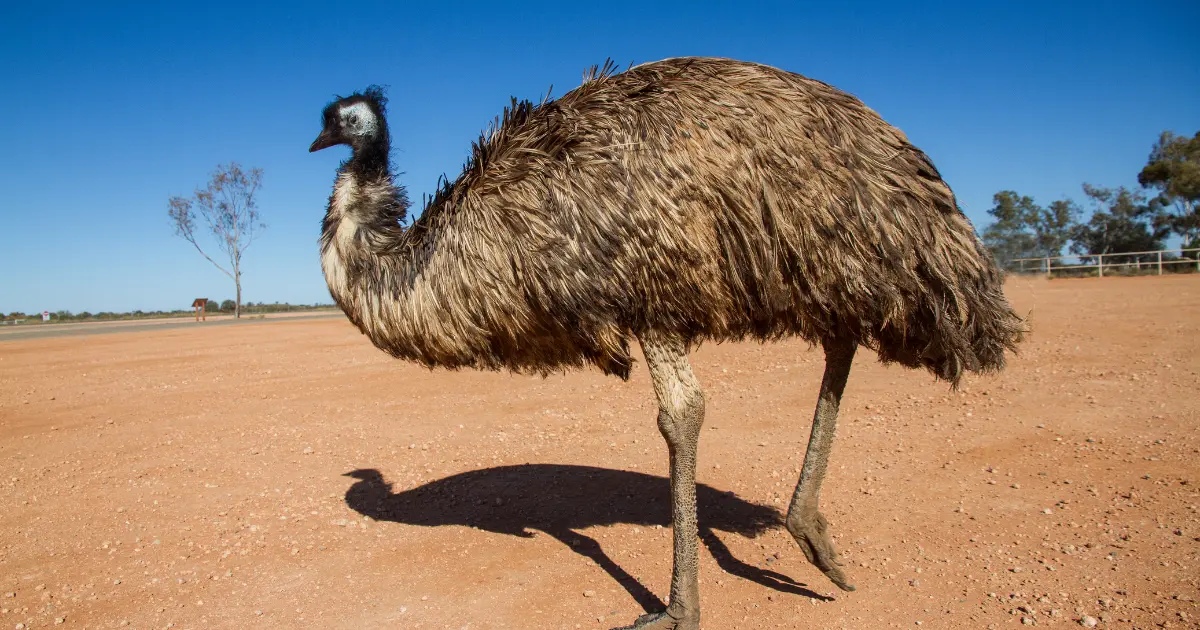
(308, 450)
(1088, 621)
(58, 621)
(589, 593)
(1046, 511)
(1027, 621)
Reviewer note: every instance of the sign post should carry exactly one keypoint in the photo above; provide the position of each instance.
(201, 304)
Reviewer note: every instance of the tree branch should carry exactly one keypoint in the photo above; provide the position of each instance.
(228, 208)
(197, 246)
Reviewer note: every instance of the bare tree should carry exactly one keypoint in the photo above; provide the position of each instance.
(228, 208)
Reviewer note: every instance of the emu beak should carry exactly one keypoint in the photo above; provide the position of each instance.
(323, 141)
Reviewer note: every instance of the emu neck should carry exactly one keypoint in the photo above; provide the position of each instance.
(362, 243)
(370, 160)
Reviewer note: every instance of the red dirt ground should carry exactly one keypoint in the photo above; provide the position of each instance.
(197, 477)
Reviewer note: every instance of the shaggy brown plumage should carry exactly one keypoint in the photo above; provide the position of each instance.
(714, 199)
(676, 202)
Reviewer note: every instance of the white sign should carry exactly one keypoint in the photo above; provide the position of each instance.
(45, 316)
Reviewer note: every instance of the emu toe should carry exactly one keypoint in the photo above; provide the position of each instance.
(665, 621)
(811, 532)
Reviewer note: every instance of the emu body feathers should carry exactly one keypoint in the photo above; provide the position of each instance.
(706, 198)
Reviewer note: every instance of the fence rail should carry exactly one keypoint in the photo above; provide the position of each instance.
(1045, 264)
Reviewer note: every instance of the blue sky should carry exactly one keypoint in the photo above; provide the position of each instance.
(110, 110)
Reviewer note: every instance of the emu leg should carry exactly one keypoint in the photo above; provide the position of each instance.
(680, 414)
(806, 524)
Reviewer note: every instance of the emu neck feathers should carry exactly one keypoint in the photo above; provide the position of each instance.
(362, 222)
(393, 283)
(447, 292)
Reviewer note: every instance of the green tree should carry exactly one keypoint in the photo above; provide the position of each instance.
(1008, 236)
(212, 306)
(230, 212)
(1023, 229)
(1052, 226)
(1122, 221)
(1173, 169)
(228, 306)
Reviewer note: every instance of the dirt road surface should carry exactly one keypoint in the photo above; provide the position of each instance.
(288, 475)
(42, 331)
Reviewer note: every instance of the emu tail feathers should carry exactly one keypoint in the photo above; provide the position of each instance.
(960, 321)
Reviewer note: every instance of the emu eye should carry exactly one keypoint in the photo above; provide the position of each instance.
(353, 120)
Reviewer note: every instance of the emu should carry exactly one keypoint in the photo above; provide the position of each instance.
(681, 201)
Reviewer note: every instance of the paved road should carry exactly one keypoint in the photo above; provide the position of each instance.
(43, 331)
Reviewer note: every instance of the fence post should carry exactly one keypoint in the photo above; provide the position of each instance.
(1047, 267)
(1160, 263)
(1100, 264)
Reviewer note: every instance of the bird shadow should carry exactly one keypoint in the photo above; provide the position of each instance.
(561, 500)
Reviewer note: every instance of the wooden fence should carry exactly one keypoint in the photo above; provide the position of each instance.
(1046, 264)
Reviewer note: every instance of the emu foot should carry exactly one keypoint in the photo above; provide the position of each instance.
(811, 531)
(665, 621)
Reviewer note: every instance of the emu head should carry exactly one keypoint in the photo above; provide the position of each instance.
(356, 120)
